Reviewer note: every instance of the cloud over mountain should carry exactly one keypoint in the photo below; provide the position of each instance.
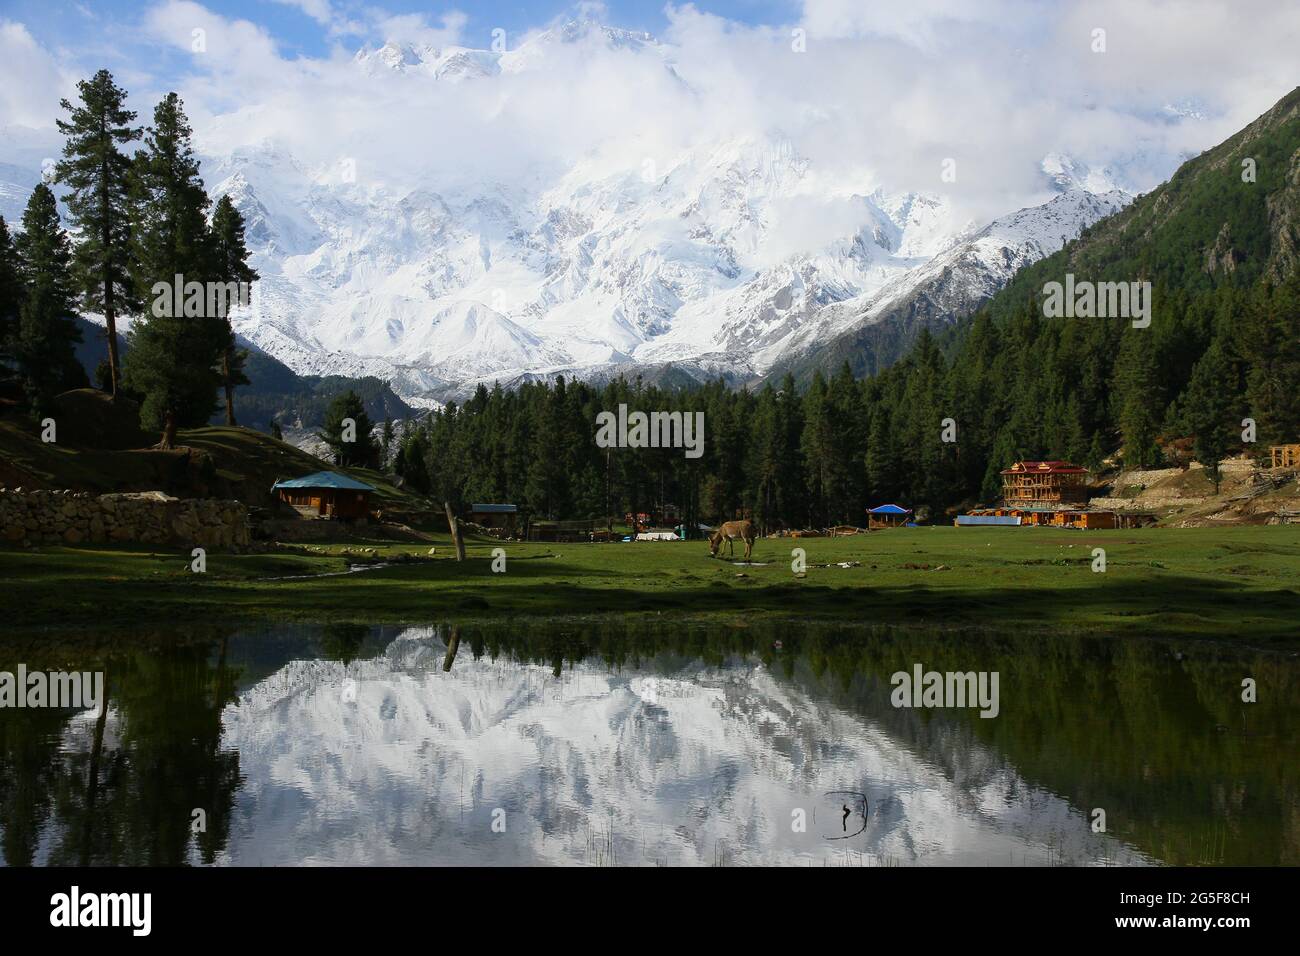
(579, 195)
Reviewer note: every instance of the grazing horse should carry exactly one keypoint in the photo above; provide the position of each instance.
(731, 530)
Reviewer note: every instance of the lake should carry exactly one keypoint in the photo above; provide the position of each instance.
(596, 743)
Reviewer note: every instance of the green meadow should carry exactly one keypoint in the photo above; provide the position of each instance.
(1239, 584)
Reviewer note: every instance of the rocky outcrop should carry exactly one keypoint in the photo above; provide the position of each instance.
(151, 517)
(1144, 503)
(1222, 255)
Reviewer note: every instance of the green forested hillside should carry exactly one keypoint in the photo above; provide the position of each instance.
(274, 391)
(1218, 247)
(279, 393)
(1220, 252)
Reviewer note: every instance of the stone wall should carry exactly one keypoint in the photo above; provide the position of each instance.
(67, 517)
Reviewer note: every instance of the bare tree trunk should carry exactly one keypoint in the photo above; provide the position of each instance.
(110, 310)
(92, 777)
(110, 321)
(230, 389)
(453, 644)
(169, 431)
(454, 524)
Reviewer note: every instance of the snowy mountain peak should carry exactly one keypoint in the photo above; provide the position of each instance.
(450, 63)
(458, 63)
(727, 257)
(398, 56)
(454, 253)
(1064, 173)
(586, 30)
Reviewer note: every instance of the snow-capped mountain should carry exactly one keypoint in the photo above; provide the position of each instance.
(730, 256)
(697, 262)
(869, 330)
(457, 63)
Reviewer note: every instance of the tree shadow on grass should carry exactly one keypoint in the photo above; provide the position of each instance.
(534, 585)
(1169, 605)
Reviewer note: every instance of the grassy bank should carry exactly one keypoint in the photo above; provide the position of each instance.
(1231, 583)
(100, 449)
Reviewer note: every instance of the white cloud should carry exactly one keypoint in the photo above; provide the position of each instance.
(921, 23)
(884, 93)
(31, 81)
(328, 15)
(319, 10)
(416, 28)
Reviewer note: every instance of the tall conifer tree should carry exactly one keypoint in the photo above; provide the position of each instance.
(1210, 410)
(230, 264)
(11, 296)
(45, 343)
(173, 358)
(96, 172)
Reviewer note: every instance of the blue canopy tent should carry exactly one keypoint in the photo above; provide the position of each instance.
(887, 516)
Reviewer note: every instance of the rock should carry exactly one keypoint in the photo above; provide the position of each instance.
(149, 517)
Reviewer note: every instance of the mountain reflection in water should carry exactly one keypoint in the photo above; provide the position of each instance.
(675, 745)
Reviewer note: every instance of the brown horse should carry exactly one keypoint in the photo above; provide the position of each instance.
(731, 530)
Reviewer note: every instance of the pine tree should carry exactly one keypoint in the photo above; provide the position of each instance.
(1005, 454)
(818, 448)
(1140, 406)
(1076, 437)
(1096, 457)
(766, 441)
(386, 443)
(276, 431)
(1273, 382)
(1210, 411)
(792, 507)
(230, 264)
(884, 469)
(173, 358)
(96, 173)
(11, 296)
(410, 463)
(848, 442)
(45, 343)
(231, 373)
(350, 441)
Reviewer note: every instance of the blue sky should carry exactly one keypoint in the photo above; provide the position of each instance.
(77, 23)
(896, 87)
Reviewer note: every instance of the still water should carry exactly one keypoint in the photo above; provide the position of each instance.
(596, 744)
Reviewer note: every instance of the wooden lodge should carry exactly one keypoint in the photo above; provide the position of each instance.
(1049, 494)
(498, 517)
(326, 494)
(1081, 518)
(1038, 484)
(1285, 456)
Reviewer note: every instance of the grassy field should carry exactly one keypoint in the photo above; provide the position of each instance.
(1240, 583)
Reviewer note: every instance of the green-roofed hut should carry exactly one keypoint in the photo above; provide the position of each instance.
(494, 516)
(326, 494)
